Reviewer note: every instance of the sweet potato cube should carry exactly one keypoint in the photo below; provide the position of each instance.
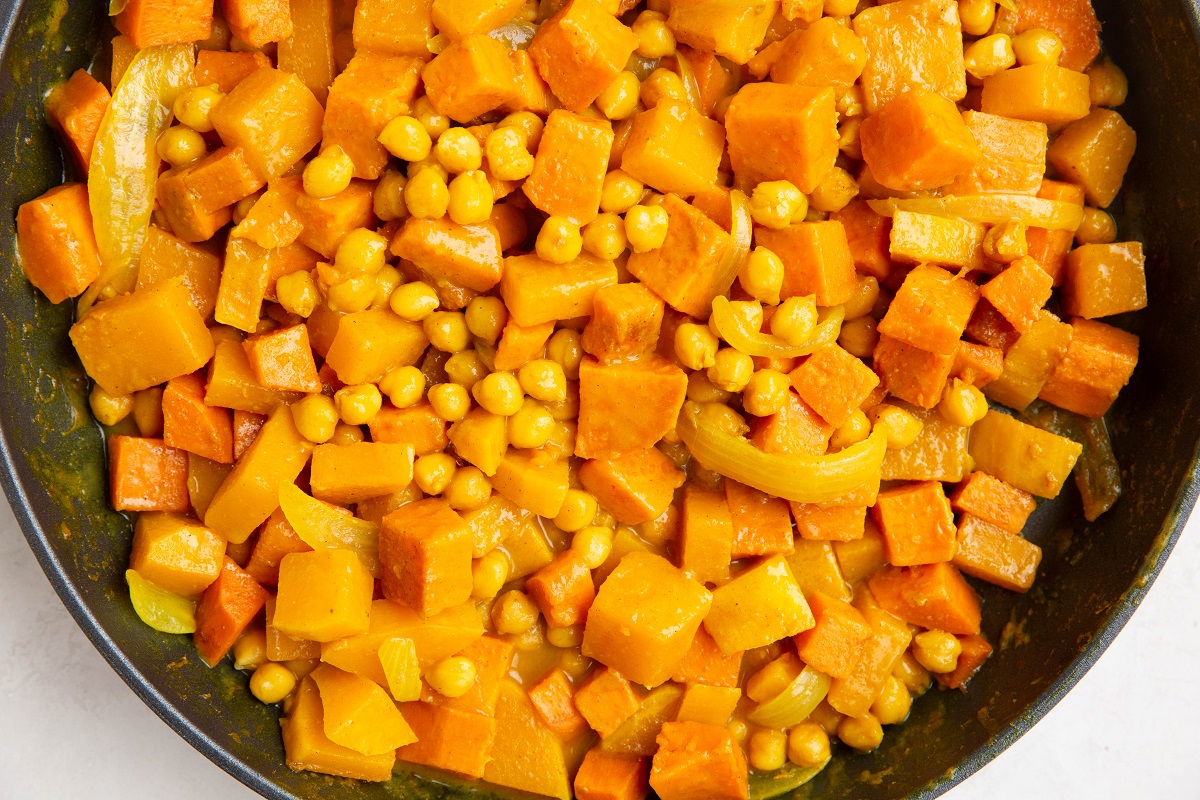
(912, 45)
(918, 141)
(563, 590)
(606, 700)
(465, 255)
(536, 291)
(447, 738)
(184, 209)
(149, 23)
(829, 523)
(345, 474)
(273, 117)
(835, 643)
(580, 50)
(992, 500)
(231, 384)
(425, 550)
(644, 618)
(325, 221)
(939, 453)
(1105, 279)
(834, 383)
(696, 761)
(56, 242)
(992, 554)
(480, 439)
(928, 239)
(283, 359)
(258, 22)
(704, 663)
(191, 424)
(706, 535)
(730, 29)
(493, 659)
(625, 323)
(1075, 23)
(1020, 292)
(359, 714)
(1038, 92)
(519, 344)
(142, 339)
(796, 428)
(228, 605)
(74, 108)
(455, 19)
(933, 596)
(977, 364)
(761, 605)
(782, 132)
(1013, 156)
(634, 487)
(673, 148)
(553, 698)
(372, 90)
(1099, 362)
(227, 70)
(323, 595)
(371, 343)
(917, 524)
(416, 425)
(472, 76)
(989, 327)
(612, 776)
(854, 694)
(910, 373)
(568, 172)
(399, 28)
(761, 524)
(176, 553)
(251, 491)
(612, 420)
(220, 179)
(816, 260)
(165, 256)
(684, 271)
(276, 539)
(308, 748)
(826, 53)
(868, 235)
(527, 756)
(1095, 152)
(931, 310)
(975, 651)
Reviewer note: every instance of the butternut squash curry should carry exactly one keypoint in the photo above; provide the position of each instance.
(593, 397)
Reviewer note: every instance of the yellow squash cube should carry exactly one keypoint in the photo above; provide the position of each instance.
(527, 549)
(674, 148)
(1039, 93)
(323, 595)
(480, 438)
(815, 567)
(425, 551)
(308, 748)
(274, 117)
(371, 343)
(176, 553)
(358, 714)
(1095, 152)
(730, 28)
(762, 605)
(493, 523)
(534, 481)
(1029, 458)
(706, 535)
(710, 704)
(526, 754)
(345, 474)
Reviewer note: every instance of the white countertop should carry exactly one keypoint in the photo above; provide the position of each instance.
(69, 728)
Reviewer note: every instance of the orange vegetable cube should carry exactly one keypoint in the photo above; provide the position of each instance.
(165, 256)
(227, 70)
(325, 221)
(934, 596)
(563, 590)
(782, 132)
(1020, 292)
(493, 659)
(868, 235)
(833, 383)
(373, 89)
(324, 595)
(1050, 248)
(308, 748)
(1099, 362)
(231, 384)
(536, 291)
(929, 239)
(706, 535)
(533, 479)
(796, 428)
(696, 761)
(149, 23)
(989, 327)
(612, 776)
(859, 558)
(192, 425)
(761, 605)
(917, 524)
(276, 539)
(992, 500)
(56, 242)
(930, 310)
(829, 523)
(644, 618)
(258, 22)
(826, 53)
(228, 605)
(533, 93)
(425, 550)
(634, 487)
(816, 260)
(459, 741)
(1095, 152)
(480, 439)
(939, 453)
(704, 663)
(606, 700)
(761, 524)
(1030, 361)
(1038, 92)
(685, 270)
(580, 50)
(553, 698)
(417, 425)
(910, 373)
(283, 359)
(835, 644)
(992, 554)
(371, 343)
(455, 19)
(464, 255)
(359, 714)
(472, 76)
(527, 756)
(1013, 156)
(673, 148)
(494, 522)
(918, 141)
(855, 694)
(185, 210)
(977, 364)
(519, 345)
(74, 109)
(568, 172)
(612, 419)
(1105, 279)
(975, 651)
(308, 52)
(274, 117)
(730, 29)
(176, 553)
(220, 179)
(345, 474)
(913, 45)
(243, 284)
(396, 27)
(1073, 21)
(625, 323)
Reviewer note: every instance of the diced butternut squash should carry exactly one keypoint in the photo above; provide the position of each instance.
(704, 663)
(358, 714)
(713, 705)
(834, 383)
(861, 558)
(835, 643)
(977, 364)
(176, 553)
(673, 148)
(553, 699)
(74, 108)
(149, 23)
(346, 474)
(606, 700)
(273, 117)
(323, 595)
(1026, 457)
(56, 242)
(706, 535)
(308, 748)
(1020, 291)
(1099, 362)
(696, 761)
(251, 492)
(308, 52)
(536, 291)
(371, 343)
(492, 523)
(868, 235)
(527, 756)
(276, 539)
(992, 554)
(191, 424)
(1013, 156)
(425, 550)
(283, 359)
(934, 596)
(1039, 93)
(228, 605)
(782, 132)
(526, 548)
(912, 45)
(464, 255)
(227, 70)
(975, 651)
(258, 22)
(911, 373)
(761, 605)
(929, 239)
(1030, 361)
(519, 344)
(917, 524)
(325, 221)
(458, 741)
(612, 776)
(625, 323)
(243, 285)
(826, 53)
(931, 310)
(534, 480)
(398, 28)
(795, 428)
(761, 523)
(480, 439)
(492, 657)
(730, 29)
(568, 171)
(1095, 152)
(918, 141)
(829, 523)
(939, 453)
(458, 18)
(166, 256)
(989, 327)
(416, 425)
(1105, 279)
(644, 618)
(372, 90)
(685, 271)
(563, 590)
(231, 384)
(816, 260)
(470, 77)
(146, 475)
(854, 694)
(612, 420)
(579, 51)
(992, 500)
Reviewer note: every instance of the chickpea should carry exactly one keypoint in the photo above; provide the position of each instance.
(426, 195)
(901, 427)
(355, 293)
(977, 16)
(862, 733)
(361, 252)
(894, 702)
(567, 637)
(578, 510)
(774, 204)
(250, 650)
(447, 331)
(109, 409)
(450, 401)
(180, 145)
(808, 745)
(1006, 242)
(768, 750)
(358, 405)
(731, 370)
(530, 426)
(795, 319)
(1037, 46)
(762, 276)
(859, 337)
(345, 434)
(646, 227)
(328, 174)
(453, 676)
(620, 98)
(852, 431)
(386, 281)
(508, 160)
(316, 417)
(468, 489)
(433, 472)
(989, 55)
(469, 199)
(489, 574)
(564, 348)
(937, 651)
(193, 107)
(514, 613)
(486, 317)
(272, 682)
(766, 393)
(695, 346)
(1109, 86)
(962, 403)
(604, 237)
(835, 192)
(500, 393)
(620, 192)
(702, 390)
(655, 39)
(914, 676)
(543, 379)
(406, 138)
(559, 240)
(529, 125)
(414, 301)
(388, 200)
(594, 544)
(1098, 227)
(662, 84)
(458, 151)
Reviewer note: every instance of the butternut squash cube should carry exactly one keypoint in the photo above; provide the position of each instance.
(1013, 156)
(373, 89)
(56, 242)
(191, 424)
(526, 547)
(258, 22)
(931, 310)
(918, 141)
(142, 339)
(396, 27)
(911, 373)
(176, 553)
(942, 241)
(283, 359)
(606, 700)
(273, 117)
(828, 523)
(519, 344)
(231, 383)
(416, 425)
(1030, 362)
(634, 487)
(450, 739)
(761, 523)
(458, 18)
(1095, 152)
(358, 714)
(706, 535)
(226, 69)
(166, 256)
(308, 52)
(346, 474)
(481, 439)
(149, 23)
(612, 776)
(399, 659)
(916, 523)
(1020, 291)
(612, 419)
(912, 44)
(537, 292)
(835, 643)
(553, 699)
(243, 288)
(472, 76)
(992, 554)
(568, 172)
(644, 618)
(705, 664)
(1029, 458)
(782, 132)
(580, 50)
(533, 480)
(1105, 279)
(795, 428)
(323, 595)
(1038, 92)
(625, 322)
(856, 693)
(685, 270)
(761, 605)
(696, 761)
(992, 500)
(371, 343)
(308, 748)
(868, 235)
(933, 596)
(826, 53)
(425, 551)
(1099, 361)
(939, 453)
(526, 756)
(713, 705)
(465, 255)
(325, 221)
(673, 148)
(730, 28)
(816, 260)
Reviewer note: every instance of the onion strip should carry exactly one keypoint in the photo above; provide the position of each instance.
(688, 76)
(755, 343)
(793, 705)
(741, 232)
(324, 526)
(991, 209)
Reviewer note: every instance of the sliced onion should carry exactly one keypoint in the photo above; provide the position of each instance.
(732, 329)
(688, 76)
(324, 526)
(793, 705)
(991, 209)
(158, 608)
(741, 232)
